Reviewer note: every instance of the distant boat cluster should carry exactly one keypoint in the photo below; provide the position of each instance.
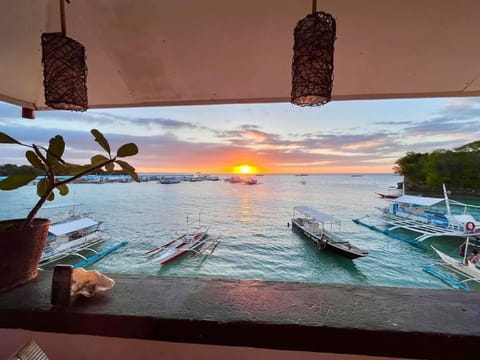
(238, 180)
(175, 179)
(163, 179)
(99, 179)
(96, 179)
(160, 178)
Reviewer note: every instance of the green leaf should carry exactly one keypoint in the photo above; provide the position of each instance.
(101, 140)
(51, 196)
(15, 181)
(63, 189)
(129, 149)
(42, 187)
(55, 149)
(129, 169)
(98, 159)
(70, 169)
(5, 139)
(110, 167)
(34, 160)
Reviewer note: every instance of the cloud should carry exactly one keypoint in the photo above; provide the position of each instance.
(10, 111)
(389, 123)
(250, 135)
(173, 144)
(248, 143)
(245, 136)
(98, 118)
(80, 145)
(458, 116)
(457, 103)
(442, 125)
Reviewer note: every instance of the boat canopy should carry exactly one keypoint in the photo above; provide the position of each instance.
(71, 226)
(418, 200)
(462, 218)
(317, 215)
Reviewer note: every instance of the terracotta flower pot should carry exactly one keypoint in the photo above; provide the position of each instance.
(20, 251)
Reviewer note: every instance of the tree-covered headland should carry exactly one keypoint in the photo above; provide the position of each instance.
(8, 169)
(459, 169)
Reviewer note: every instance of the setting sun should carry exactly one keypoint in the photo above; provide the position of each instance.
(244, 169)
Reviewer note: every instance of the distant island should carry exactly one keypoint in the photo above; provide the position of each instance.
(457, 168)
(8, 169)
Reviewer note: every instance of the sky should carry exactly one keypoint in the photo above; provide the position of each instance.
(365, 136)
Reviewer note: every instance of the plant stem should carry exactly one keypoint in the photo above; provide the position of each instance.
(31, 215)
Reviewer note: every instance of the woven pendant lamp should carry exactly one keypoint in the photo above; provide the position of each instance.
(312, 66)
(64, 70)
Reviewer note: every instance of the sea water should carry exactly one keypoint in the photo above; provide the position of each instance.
(251, 222)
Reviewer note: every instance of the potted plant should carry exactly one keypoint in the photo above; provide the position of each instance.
(22, 240)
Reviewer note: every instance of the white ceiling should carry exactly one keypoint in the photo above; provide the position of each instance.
(154, 52)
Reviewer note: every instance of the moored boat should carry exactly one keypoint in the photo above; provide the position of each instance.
(69, 237)
(324, 230)
(250, 181)
(393, 192)
(212, 178)
(234, 179)
(425, 217)
(387, 196)
(197, 177)
(187, 242)
(170, 180)
(72, 236)
(468, 270)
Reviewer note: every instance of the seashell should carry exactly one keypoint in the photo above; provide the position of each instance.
(87, 283)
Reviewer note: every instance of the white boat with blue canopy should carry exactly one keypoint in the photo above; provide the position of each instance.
(73, 235)
(325, 231)
(426, 217)
(68, 238)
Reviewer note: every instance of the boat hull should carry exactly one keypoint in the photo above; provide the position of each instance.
(387, 196)
(180, 246)
(469, 270)
(325, 243)
(54, 252)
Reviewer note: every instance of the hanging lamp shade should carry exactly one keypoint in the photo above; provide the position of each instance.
(64, 72)
(64, 69)
(312, 66)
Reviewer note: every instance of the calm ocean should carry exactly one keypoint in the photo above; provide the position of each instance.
(252, 223)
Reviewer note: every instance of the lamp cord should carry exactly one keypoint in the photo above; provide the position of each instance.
(314, 6)
(63, 24)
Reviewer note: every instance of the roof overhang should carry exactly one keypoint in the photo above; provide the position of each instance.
(150, 52)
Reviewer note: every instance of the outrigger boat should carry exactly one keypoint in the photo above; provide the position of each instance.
(234, 179)
(469, 271)
(324, 230)
(250, 181)
(387, 196)
(170, 180)
(72, 236)
(393, 191)
(191, 242)
(424, 217)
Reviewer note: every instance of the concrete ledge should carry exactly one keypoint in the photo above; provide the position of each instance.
(378, 321)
